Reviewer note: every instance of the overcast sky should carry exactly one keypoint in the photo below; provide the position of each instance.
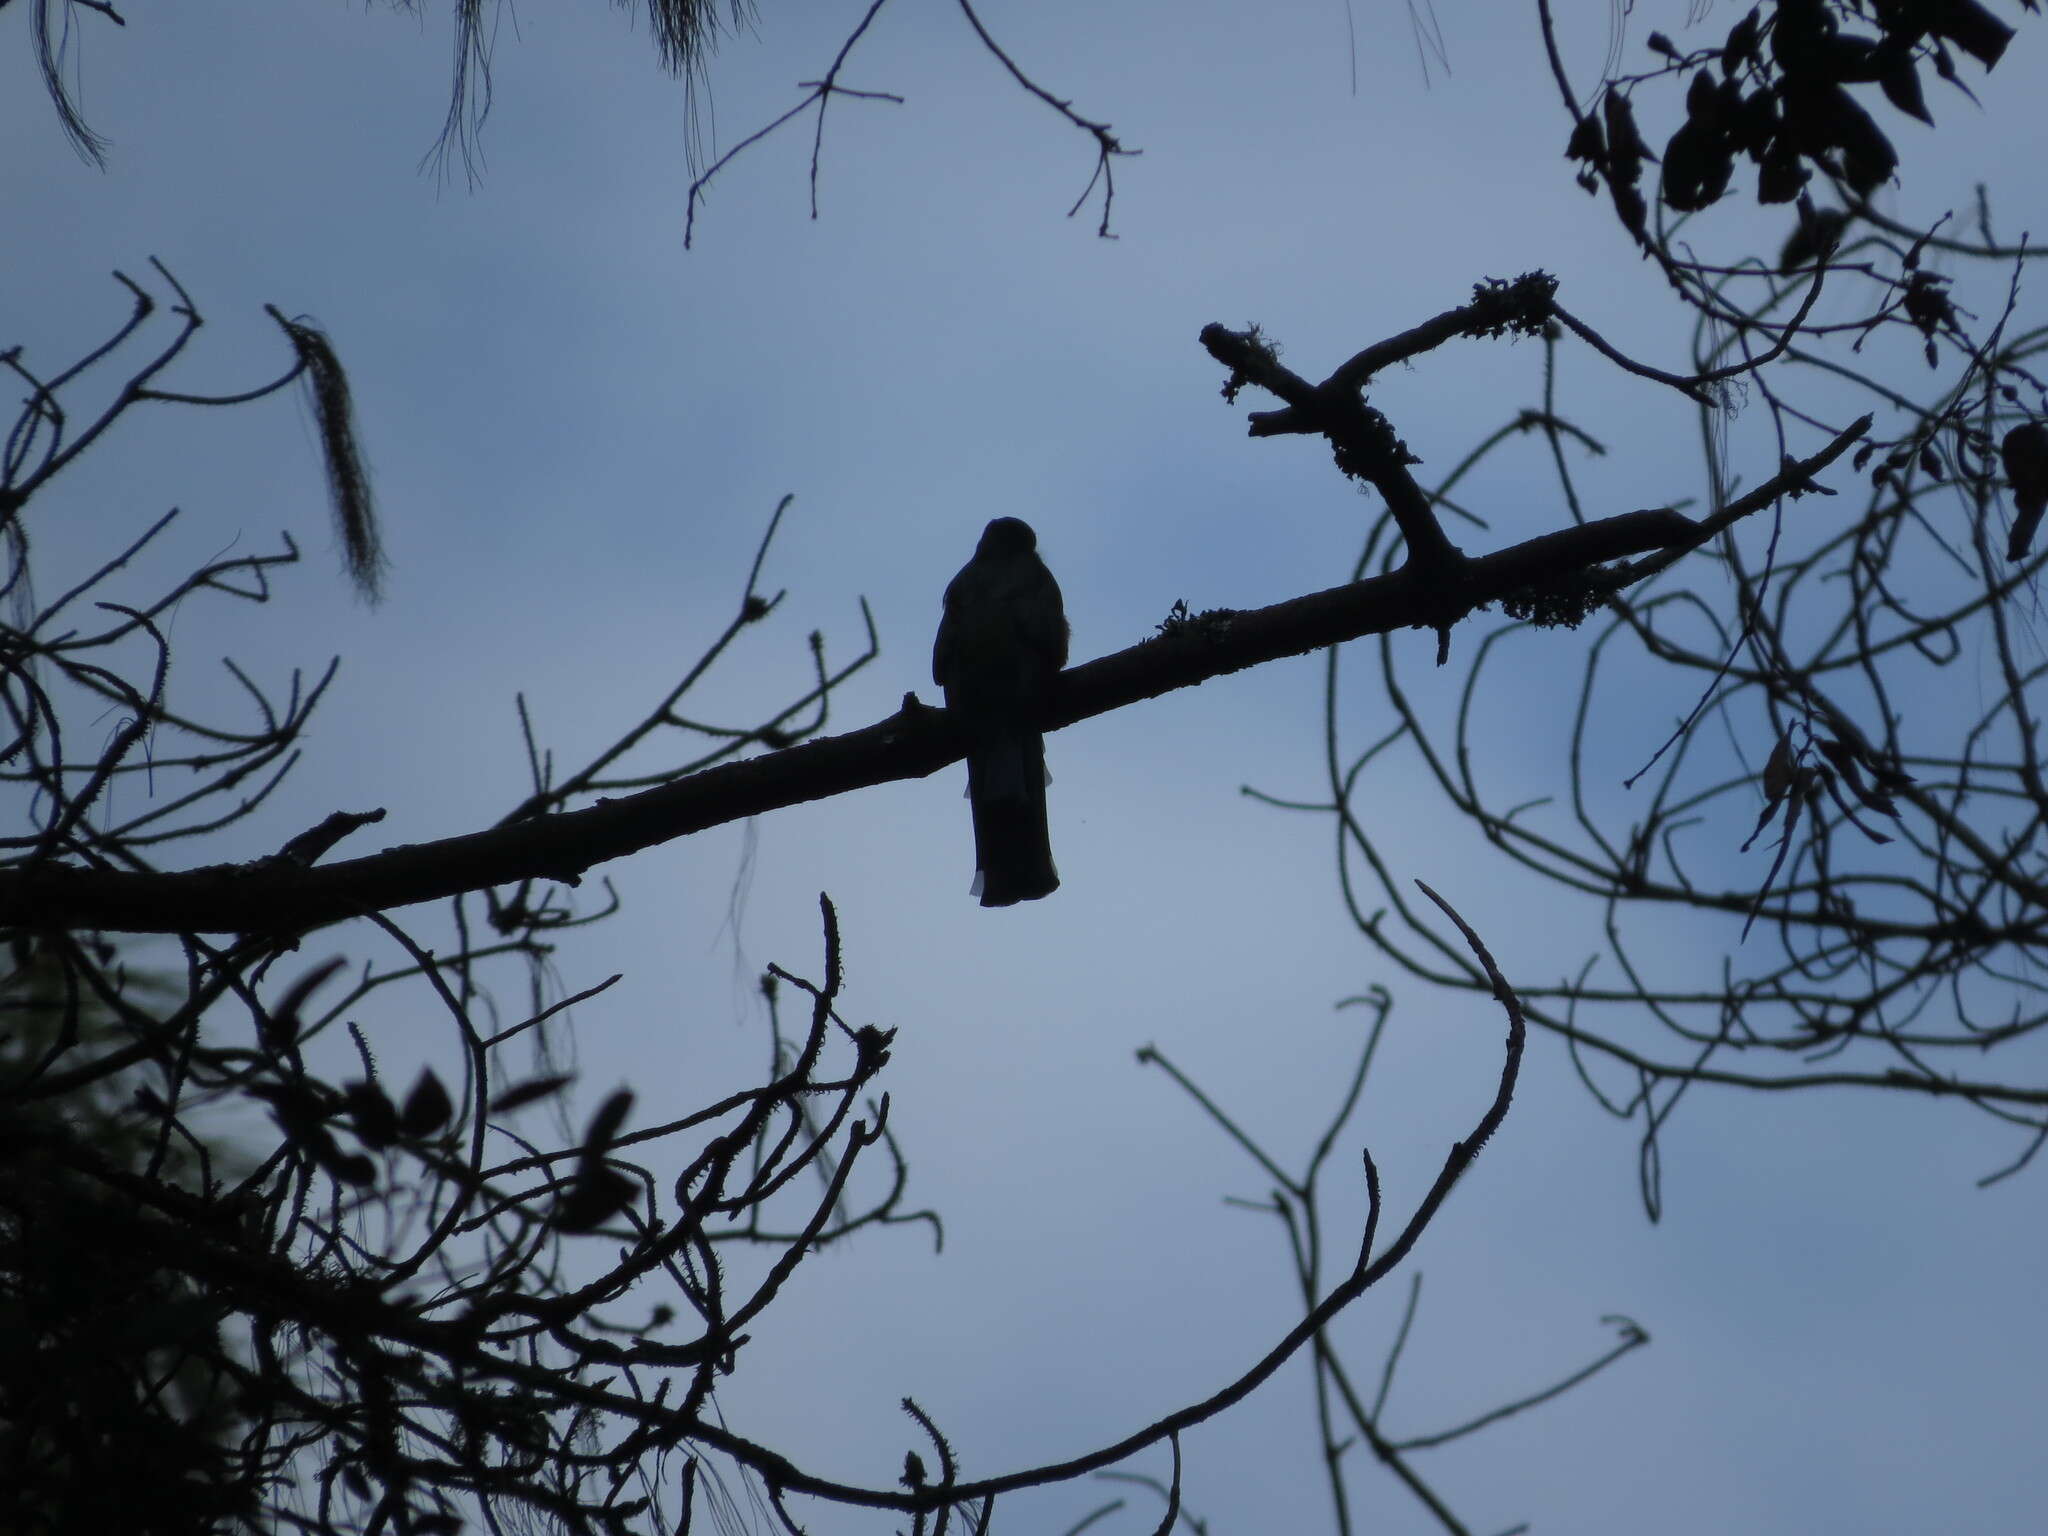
(578, 432)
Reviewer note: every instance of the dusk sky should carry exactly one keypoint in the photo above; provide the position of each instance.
(578, 432)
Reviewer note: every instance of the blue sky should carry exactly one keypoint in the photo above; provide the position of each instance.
(578, 431)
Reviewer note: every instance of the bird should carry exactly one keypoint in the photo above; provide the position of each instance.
(2026, 465)
(1002, 640)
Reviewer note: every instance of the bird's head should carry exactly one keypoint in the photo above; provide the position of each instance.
(1007, 536)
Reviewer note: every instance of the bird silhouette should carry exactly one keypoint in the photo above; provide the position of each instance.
(1002, 640)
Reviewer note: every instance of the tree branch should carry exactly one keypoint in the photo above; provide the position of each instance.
(277, 898)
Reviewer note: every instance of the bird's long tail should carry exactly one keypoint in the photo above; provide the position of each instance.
(1012, 845)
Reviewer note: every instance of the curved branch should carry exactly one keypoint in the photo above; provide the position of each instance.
(783, 1474)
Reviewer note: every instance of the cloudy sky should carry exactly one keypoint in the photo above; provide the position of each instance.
(579, 430)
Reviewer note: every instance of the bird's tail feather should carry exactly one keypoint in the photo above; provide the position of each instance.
(1006, 781)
